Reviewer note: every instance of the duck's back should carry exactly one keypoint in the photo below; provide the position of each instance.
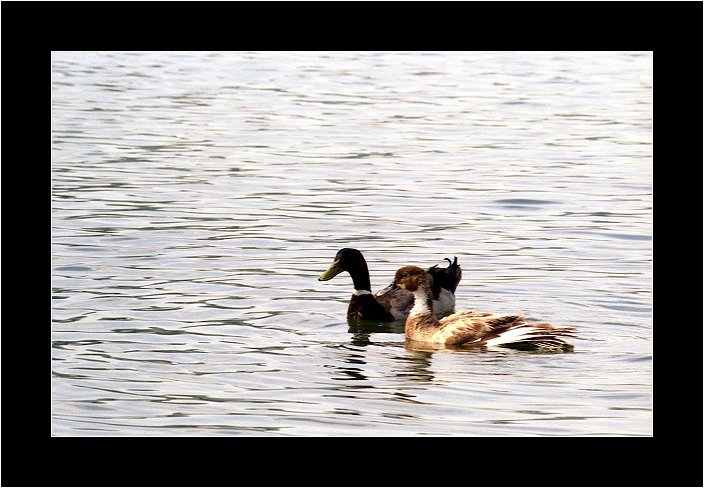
(475, 327)
(398, 303)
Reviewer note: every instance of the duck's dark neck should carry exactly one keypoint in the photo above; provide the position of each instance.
(360, 276)
(423, 300)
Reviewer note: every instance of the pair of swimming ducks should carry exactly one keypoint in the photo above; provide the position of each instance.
(418, 295)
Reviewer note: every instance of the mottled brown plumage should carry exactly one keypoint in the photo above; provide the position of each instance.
(471, 328)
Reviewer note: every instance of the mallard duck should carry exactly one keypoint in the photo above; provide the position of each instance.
(391, 303)
(472, 328)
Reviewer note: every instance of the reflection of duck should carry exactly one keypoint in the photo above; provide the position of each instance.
(472, 328)
(391, 303)
(366, 327)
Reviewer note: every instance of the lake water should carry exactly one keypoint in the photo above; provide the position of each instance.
(196, 198)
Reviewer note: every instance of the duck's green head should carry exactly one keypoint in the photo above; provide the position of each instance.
(346, 259)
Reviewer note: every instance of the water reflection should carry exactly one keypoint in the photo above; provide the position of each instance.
(415, 367)
(353, 367)
(362, 330)
(196, 197)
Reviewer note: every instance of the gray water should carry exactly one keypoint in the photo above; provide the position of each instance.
(196, 198)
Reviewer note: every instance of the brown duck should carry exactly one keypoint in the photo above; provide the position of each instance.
(472, 328)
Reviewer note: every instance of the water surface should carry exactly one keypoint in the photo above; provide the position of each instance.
(196, 197)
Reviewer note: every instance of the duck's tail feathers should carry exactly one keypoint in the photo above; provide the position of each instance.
(447, 278)
(529, 336)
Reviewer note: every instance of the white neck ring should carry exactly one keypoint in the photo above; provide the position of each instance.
(361, 292)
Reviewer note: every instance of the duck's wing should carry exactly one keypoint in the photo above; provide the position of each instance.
(508, 330)
(532, 336)
(445, 278)
(397, 301)
(474, 327)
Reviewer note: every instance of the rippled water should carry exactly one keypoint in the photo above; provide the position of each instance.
(196, 197)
